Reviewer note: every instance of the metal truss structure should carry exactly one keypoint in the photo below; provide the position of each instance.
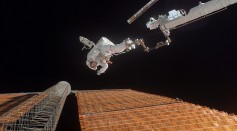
(39, 113)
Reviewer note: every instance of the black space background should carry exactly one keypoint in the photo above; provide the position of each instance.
(40, 47)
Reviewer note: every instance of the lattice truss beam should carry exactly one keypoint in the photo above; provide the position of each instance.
(41, 112)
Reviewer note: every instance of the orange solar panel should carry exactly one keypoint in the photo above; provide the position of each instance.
(133, 110)
(9, 101)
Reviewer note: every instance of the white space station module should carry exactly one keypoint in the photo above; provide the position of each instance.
(101, 52)
(178, 18)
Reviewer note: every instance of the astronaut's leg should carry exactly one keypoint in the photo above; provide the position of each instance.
(118, 48)
(112, 48)
(127, 44)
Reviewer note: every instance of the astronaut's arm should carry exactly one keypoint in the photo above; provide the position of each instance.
(104, 66)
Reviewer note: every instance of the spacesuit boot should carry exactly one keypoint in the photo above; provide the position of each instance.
(129, 44)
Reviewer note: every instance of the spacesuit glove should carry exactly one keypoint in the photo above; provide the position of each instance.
(98, 73)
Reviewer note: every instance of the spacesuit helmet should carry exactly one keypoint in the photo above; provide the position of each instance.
(93, 64)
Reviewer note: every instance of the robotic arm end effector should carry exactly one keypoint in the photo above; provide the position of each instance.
(152, 24)
(142, 43)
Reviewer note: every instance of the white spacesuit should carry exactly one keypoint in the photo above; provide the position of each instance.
(101, 52)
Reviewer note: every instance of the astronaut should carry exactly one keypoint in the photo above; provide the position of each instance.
(101, 52)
